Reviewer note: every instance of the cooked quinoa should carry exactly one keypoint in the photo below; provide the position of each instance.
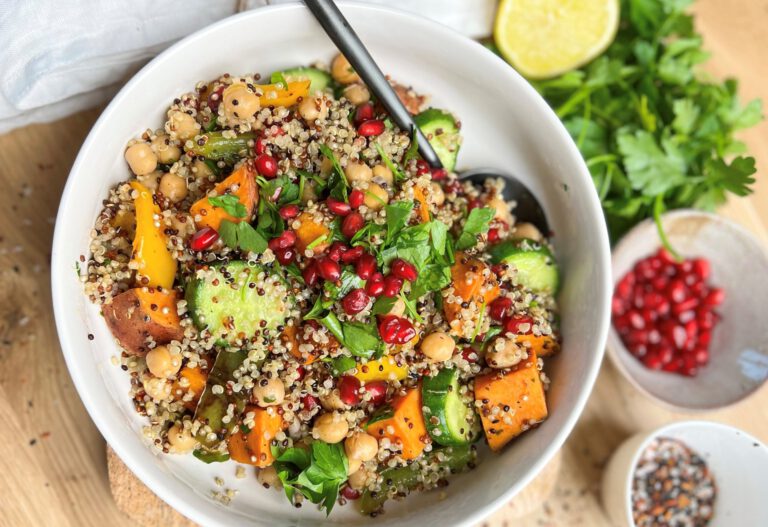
(293, 288)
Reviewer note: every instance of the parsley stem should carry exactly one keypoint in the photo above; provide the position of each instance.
(479, 321)
(317, 241)
(658, 209)
(605, 158)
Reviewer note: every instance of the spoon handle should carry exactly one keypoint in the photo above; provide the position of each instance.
(341, 33)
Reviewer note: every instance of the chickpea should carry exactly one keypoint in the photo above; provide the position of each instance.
(162, 363)
(353, 465)
(181, 440)
(141, 159)
(310, 192)
(527, 230)
(359, 479)
(157, 389)
(383, 173)
(438, 196)
(182, 125)
(331, 427)
(313, 108)
(375, 197)
(502, 209)
(342, 71)
(152, 180)
(357, 94)
(504, 353)
(239, 102)
(269, 392)
(267, 476)
(358, 172)
(201, 170)
(438, 346)
(361, 446)
(173, 187)
(166, 151)
(325, 167)
(332, 401)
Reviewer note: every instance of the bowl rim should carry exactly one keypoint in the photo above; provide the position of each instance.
(616, 347)
(649, 436)
(155, 481)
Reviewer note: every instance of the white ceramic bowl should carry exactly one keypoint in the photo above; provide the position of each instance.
(739, 349)
(738, 462)
(505, 124)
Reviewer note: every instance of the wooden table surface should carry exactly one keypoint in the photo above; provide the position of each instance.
(53, 469)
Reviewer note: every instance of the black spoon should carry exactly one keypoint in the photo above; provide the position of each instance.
(341, 33)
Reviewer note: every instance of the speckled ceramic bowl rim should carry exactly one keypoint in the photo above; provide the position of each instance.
(616, 346)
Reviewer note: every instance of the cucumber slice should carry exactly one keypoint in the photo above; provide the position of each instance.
(536, 267)
(224, 302)
(443, 133)
(319, 79)
(450, 421)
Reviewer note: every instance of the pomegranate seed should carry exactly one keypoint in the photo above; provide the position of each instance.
(336, 250)
(666, 354)
(715, 297)
(674, 365)
(285, 256)
(375, 289)
(363, 113)
(352, 255)
(371, 128)
(636, 320)
(652, 361)
(666, 256)
(365, 266)
(686, 305)
(702, 356)
(328, 269)
(338, 207)
(660, 283)
(637, 337)
(289, 212)
(349, 390)
(498, 269)
(438, 174)
(377, 390)
(355, 301)
(203, 239)
(301, 372)
(690, 366)
(454, 187)
(498, 308)
(422, 167)
(624, 287)
(396, 330)
(470, 355)
(392, 286)
(308, 402)
(705, 337)
(350, 493)
(404, 270)
(617, 306)
(259, 148)
(214, 99)
(493, 235)
(701, 268)
(705, 318)
(285, 240)
(310, 274)
(679, 337)
(266, 165)
(356, 198)
(677, 292)
(351, 224)
(474, 203)
(519, 325)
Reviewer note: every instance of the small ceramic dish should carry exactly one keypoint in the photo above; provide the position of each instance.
(739, 348)
(737, 461)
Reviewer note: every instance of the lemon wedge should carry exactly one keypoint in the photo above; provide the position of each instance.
(544, 38)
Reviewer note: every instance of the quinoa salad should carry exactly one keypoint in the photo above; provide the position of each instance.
(293, 288)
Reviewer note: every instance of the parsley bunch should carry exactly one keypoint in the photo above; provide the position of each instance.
(656, 134)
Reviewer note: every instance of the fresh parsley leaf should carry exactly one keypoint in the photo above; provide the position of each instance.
(341, 364)
(383, 305)
(649, 169)
(337, 181)
(242, 236)
(439, 232)
(413, 148)
(433, 277)
(477, 223)
(210, 457)
(410, 308)
(362, 340)
(278, 78)
(347, 282)
(397, 214)
(735, 177)
(230, 204)
(332, 324)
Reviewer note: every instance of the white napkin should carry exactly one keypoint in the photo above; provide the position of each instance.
(61, 56)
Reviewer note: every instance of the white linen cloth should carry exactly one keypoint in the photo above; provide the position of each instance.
(61, 56)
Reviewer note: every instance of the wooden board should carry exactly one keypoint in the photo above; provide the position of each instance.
(52, 465)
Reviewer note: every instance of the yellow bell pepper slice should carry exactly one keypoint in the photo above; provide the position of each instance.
(383, 369)
(150, 250)
(276, 95)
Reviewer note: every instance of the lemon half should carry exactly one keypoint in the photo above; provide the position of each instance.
(544, 38)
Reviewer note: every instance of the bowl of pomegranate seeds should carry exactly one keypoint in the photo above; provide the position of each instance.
(687, 327)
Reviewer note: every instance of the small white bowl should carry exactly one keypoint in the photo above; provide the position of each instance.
(738, 363)
(505, 123)
(738, 462)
